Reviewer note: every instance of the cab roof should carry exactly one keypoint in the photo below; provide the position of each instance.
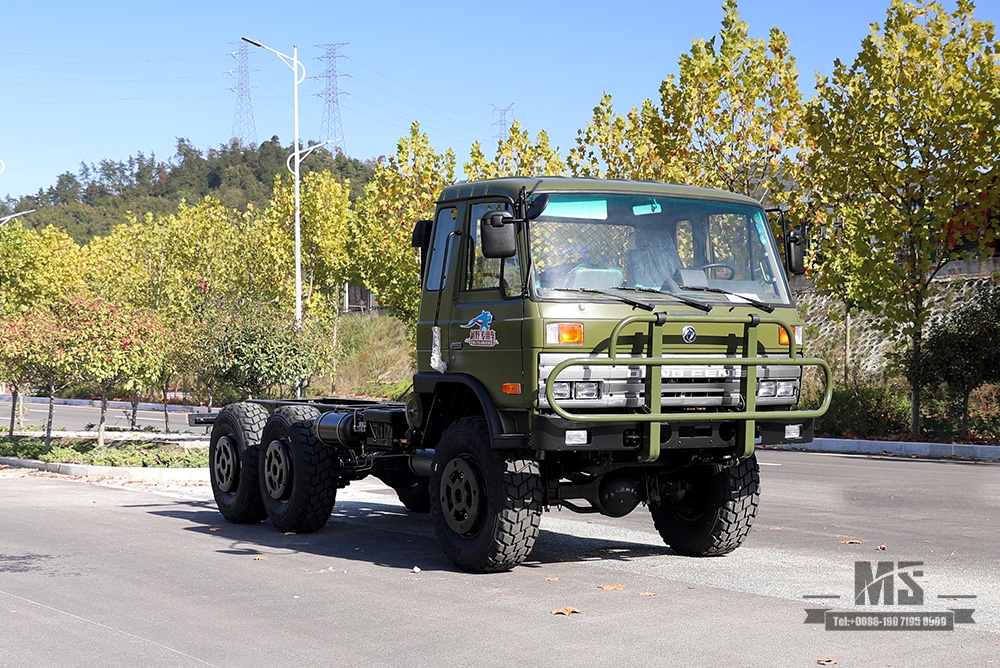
(510, 187)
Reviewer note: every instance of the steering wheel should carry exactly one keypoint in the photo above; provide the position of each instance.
(730, 269)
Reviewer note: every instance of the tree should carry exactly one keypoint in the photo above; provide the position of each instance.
(516, 155)
(257, 348)
(963, 351)
(37, 350)
(617, 146)
(903, 151)
(112, 346)
(404, 189)
(730, 120)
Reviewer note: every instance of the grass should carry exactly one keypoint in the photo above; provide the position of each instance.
(124, 453)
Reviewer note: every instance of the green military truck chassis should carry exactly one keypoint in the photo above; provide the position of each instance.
(593, 345)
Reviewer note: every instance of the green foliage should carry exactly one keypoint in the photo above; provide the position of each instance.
(865, 408)
(963, 351)
(128, 453)
(403, 190)
(255, 349)
(903, 147)
(23, 447)
(374, 357)
(99, 196)
(516, 155)
(729, 120)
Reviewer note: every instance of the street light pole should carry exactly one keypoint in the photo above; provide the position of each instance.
(4, 219)
(298, 76)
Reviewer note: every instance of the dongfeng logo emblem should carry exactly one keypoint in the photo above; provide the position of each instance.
(688, 334)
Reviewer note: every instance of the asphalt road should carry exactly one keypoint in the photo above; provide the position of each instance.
(94, 575)
(76, 418)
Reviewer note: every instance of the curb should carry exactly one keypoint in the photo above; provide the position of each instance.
(904, 448)
(118, 472)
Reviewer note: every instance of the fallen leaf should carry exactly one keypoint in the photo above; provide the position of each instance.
(827, 662)
(289, 533)
(566, 611)
(840, 535)
(656, 565)
(850, 541)
(647, 593)
(552, 579)
(215, 529)
(881, 548)
(260, 557)
(611, 587)
(692, 587)
(776, 529)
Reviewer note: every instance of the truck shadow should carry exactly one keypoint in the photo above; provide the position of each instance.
(386, 535)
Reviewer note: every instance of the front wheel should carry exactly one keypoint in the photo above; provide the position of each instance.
(714, 513)
(298, 473)
(485, 508)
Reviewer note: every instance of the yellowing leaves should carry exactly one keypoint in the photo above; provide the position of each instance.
(614, 587)
(566, 611)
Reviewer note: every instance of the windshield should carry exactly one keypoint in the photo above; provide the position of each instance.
(671, 244)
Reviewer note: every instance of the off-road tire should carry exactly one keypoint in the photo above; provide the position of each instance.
(298, 473)
(485, 508)
(416, 497)
(716, 514)
(232, 457)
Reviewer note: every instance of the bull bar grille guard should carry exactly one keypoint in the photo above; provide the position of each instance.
(654, 416)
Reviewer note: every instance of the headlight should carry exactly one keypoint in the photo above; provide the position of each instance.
(766, 388)
(560, 390)
(587, 390)
(786, 388)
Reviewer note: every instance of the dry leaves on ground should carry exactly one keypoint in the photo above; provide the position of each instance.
(611, 587)
(566, 611)
(850, 541)
(260, 557)
(647, 593)
(827, 662)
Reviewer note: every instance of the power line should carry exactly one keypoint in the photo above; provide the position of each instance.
(244, 128)
(331, 129)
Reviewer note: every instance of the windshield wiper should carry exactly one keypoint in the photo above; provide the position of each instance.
(701, 306)
(767, 308)
(631, 302)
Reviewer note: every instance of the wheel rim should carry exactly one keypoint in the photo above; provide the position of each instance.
(461, 496)
(225, 463)
(277, 470)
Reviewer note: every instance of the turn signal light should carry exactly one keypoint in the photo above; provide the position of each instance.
(564, 334)
(783, 335)
(511, 388)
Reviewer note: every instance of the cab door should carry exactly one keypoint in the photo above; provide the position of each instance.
(484, 333)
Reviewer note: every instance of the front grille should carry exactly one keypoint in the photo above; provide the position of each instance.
(712, 385)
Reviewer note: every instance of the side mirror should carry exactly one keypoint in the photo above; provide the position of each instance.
(421, 239)
(498, 234)
(795, 251)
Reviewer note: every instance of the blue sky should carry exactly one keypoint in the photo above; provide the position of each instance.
(105, 80)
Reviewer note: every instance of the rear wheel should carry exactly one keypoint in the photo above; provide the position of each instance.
(714, 513)
(416, 497)
(298, 473)
(485, 508)
(232, 457)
